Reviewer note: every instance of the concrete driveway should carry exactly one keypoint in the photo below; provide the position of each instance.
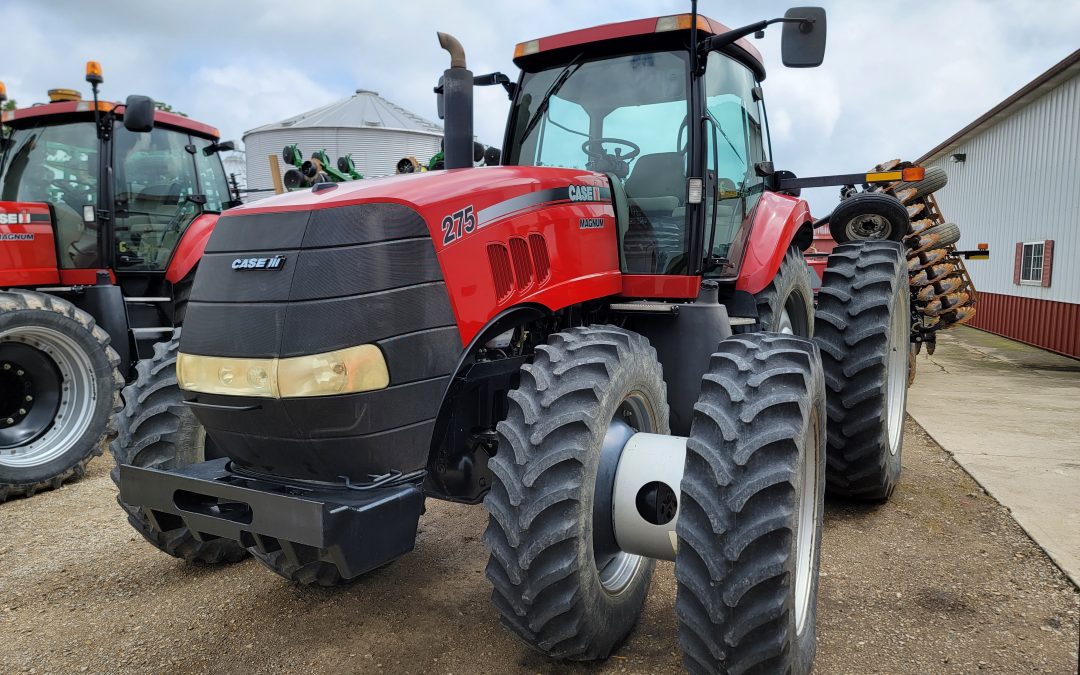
(1010, 415)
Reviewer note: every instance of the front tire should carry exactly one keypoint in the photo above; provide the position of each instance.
(559, 581)
(158, 431)
(863, 329)
(749, 529)
(59, 385)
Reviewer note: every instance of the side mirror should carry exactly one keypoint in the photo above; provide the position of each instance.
(803, 42)
(440, 106)
(478, 151)
(139, 114)
(225, 146)
(492, 156)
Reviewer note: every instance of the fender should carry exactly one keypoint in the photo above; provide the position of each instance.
(777, 220)
(190, 247)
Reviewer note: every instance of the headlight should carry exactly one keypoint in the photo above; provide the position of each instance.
(344, 371)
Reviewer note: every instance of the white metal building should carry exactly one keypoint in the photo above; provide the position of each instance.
(375, 131)
(1014, 183)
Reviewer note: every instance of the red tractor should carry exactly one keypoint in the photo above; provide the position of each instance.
(605, 339)
(104, 212)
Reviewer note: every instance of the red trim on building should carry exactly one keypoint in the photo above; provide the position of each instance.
(1052, 325)
(1048, 262)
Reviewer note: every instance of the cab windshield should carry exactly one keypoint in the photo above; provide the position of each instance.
(626, 116)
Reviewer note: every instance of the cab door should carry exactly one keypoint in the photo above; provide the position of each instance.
(156, 193)
(736, 137)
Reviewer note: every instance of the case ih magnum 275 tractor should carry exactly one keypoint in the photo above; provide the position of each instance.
(606, 340)
(104, 212)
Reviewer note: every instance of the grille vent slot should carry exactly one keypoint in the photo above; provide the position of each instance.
(523, 270)
(501, 272)
(538, 246)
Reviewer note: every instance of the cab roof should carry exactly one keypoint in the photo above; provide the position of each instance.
(525, 51)
(23, 117)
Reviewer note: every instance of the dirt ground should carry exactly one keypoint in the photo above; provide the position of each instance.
(939, 580)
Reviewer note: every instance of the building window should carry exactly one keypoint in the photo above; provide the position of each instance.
(1033, 263)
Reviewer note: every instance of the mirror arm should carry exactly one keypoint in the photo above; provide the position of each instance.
(720, 41)
(492, 79)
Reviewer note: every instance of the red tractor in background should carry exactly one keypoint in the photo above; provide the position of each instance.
(104, 212)
(609, 339)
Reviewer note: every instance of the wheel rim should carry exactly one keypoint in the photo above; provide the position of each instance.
(896, 390)
(615, 567)
(806, 535)
(58, 375)
(869, 226)
(793, 319)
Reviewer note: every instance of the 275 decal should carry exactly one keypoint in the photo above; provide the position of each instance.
(458, 224)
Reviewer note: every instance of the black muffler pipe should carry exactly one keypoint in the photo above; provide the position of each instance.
(457, 86)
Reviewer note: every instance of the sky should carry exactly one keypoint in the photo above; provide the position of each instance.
(898, 77)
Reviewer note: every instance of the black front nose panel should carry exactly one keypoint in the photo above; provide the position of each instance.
(351, 275)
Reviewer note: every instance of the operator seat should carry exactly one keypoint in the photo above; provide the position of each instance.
(656, 233)
(658, 182)
(76, 241)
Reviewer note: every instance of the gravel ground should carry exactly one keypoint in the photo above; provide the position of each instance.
(939, 580)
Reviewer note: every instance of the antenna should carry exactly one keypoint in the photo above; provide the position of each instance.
(693, 37)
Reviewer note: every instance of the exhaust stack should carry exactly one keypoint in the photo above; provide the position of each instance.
(457, 93)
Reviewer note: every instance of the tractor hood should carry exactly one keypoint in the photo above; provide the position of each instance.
(414, 265)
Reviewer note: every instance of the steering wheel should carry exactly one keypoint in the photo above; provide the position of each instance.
(594, 148)
(600, 160)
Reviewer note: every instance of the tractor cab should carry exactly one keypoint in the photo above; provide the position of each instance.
(681, 132)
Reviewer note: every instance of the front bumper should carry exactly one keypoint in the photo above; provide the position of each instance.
(355, 530)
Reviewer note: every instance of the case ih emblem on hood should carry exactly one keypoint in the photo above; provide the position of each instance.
(274, 263)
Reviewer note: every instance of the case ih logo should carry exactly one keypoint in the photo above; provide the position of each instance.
(21, 218)
(275, 263)
(584, 193)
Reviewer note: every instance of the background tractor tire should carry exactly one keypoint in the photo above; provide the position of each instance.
(559, 582)
(158, 431)
(869, 216)
(787, 303)
(59, 385)
(749, 529)
(863, 327)
(934, 179)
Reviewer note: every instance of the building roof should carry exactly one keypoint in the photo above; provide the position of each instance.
(364, 109)
(1065, 69)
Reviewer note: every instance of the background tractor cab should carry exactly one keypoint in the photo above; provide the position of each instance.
(131, 191)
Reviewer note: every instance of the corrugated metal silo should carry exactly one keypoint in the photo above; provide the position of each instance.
(375, 131)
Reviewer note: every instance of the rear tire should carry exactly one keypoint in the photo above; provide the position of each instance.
(59, 385)
(749, 529)
(158, 431)
(863, 329)
(557, 582)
